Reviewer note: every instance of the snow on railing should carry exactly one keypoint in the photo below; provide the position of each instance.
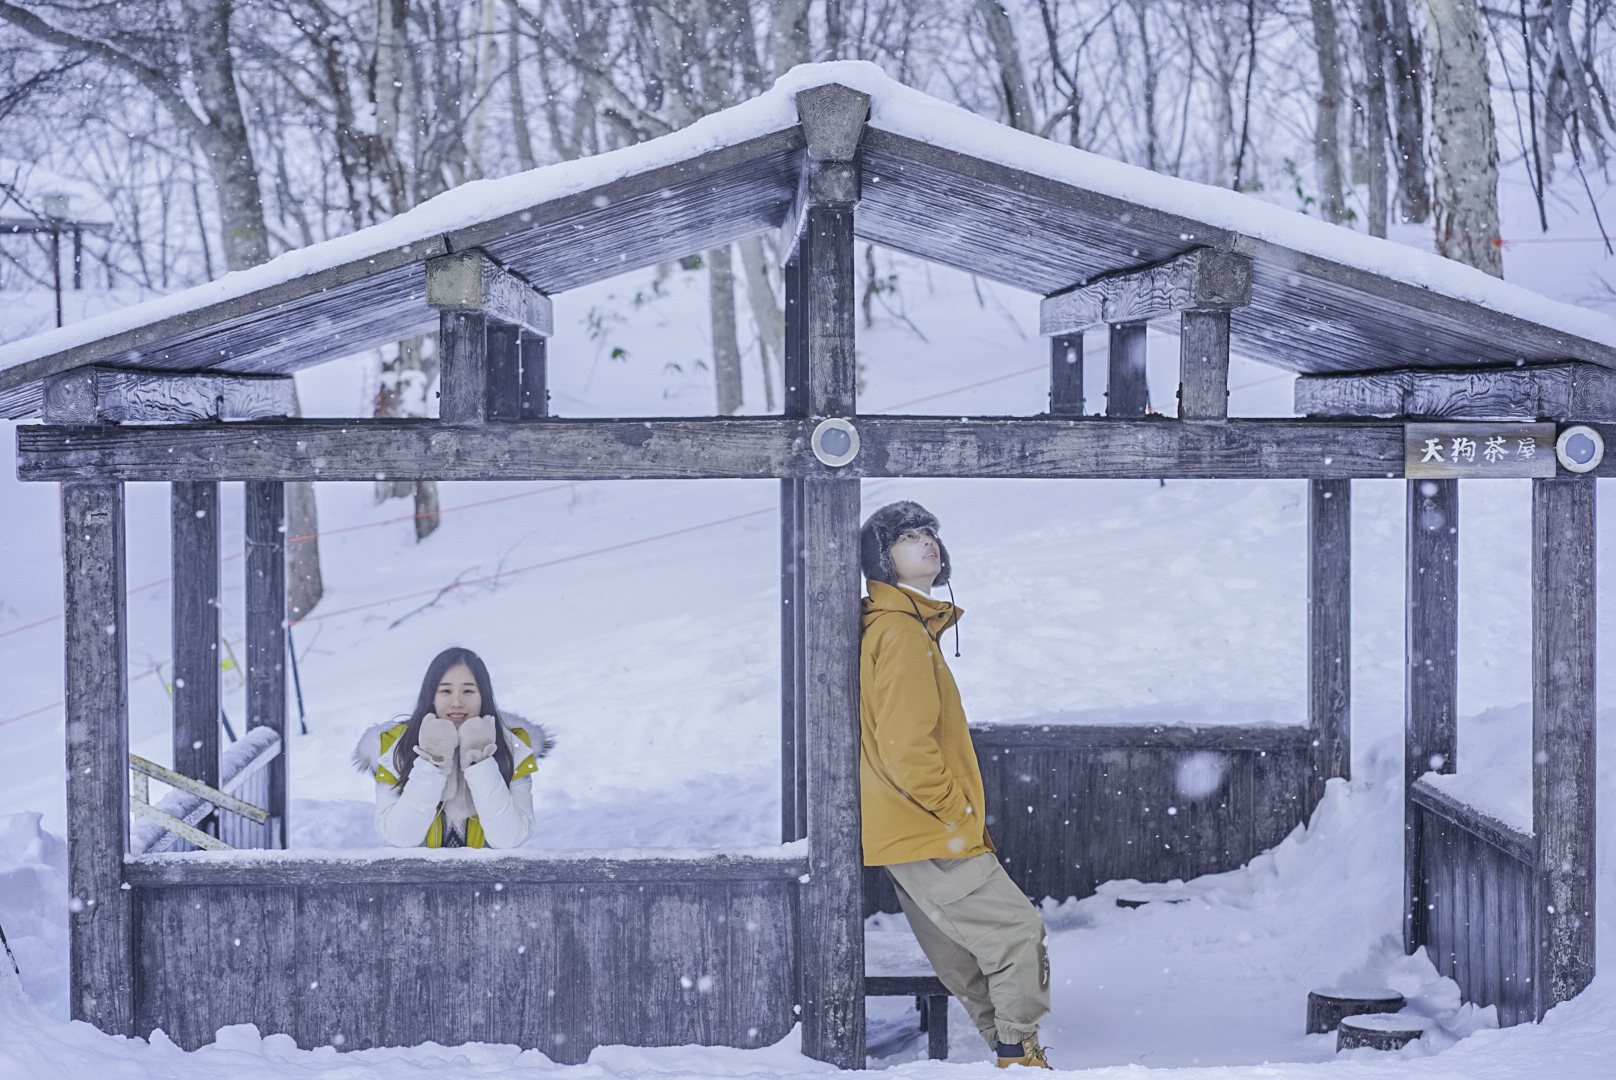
(174, 819)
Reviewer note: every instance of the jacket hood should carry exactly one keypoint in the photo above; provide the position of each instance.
(368, 755)
(935, 615)
(882, 530)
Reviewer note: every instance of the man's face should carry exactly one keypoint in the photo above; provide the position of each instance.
(917, 558)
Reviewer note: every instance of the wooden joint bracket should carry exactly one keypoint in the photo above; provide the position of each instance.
(1570, 391)
(1201, 280)
(471, 281)
(833, 119)
(90, 395)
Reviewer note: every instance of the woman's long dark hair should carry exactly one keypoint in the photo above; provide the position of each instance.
(425, 705)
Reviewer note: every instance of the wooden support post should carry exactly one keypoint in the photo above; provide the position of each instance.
(821, 378)
(1329, 628)
(535, 376)
(504, 371)
(1066, 375)
(1430, 736)
(832, 909)
(463, 367)
(793, 603)
(195, 510)
(100, 921)
(1127, 393)
(1203, 365)
(1564, 771)
(266, 634)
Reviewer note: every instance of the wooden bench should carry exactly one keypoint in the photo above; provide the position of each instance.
(931, 998)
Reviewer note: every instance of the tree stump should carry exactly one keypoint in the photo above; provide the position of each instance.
(1326, 1008)
(1379, 1031)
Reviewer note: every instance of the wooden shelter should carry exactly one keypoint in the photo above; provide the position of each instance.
(193, 390)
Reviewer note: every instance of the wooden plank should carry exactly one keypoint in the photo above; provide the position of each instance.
(1568, 392)
(470, 281)
(1201, 280)
(1329, 628)
(1128, 736)
(463, 367)
(265, 590)
(1431, 632)
(535, 379)
(96, 669)
(749, 448)
(832, 921)
(88, 394)
(504, 371)
(1203, 366)
(1066, 375)
(1127, 394)
(176, 871)
(195, 514)
(1564, 771)
(793, 667)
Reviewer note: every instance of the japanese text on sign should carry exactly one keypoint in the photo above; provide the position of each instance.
(1478, 450)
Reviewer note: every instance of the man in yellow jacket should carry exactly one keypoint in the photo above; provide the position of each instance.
(921, 794)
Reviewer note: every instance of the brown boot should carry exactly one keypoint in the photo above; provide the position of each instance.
(1032, 1055)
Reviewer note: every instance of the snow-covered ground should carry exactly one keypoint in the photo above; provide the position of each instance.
(639, 621)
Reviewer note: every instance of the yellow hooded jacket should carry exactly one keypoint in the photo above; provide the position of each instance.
(920, 786)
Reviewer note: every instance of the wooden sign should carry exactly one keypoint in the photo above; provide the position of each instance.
(1465, 451)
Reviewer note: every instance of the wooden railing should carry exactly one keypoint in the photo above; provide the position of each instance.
(1478, 893)
(173, 823)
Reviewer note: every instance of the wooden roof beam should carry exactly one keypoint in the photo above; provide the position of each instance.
(1571, 391)
(470, 281)
(89, 395)
(1201, 280)
(833, 121)
(718, 447)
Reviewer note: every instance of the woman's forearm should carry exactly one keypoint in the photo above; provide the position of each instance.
(505, 812)
(404, 815)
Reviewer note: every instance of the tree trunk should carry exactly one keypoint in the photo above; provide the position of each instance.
(406, 377)
(771, 321)
(1465, 145)
(519, 128)
(1373, 37)
(789, 44)
(304, 586)
(1414, 194)
(1327, 124)
(230, 157)
(1012, 78)
(726, 347)
(1576, 76)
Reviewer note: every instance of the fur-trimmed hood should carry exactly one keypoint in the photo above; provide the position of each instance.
(882, 530)
(368, 755)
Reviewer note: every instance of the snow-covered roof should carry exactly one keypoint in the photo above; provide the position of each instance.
(937, 182)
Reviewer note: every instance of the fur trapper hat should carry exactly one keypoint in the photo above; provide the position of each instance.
(882, 530)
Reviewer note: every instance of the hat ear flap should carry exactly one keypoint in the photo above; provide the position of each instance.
(947, 564)
(873, 557)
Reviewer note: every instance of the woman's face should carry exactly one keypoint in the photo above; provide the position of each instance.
(917, 558)
(458, 696)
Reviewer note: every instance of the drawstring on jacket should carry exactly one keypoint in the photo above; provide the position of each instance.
(922, 620)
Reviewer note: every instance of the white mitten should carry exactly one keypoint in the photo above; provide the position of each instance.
(477, 734)
(437, 740)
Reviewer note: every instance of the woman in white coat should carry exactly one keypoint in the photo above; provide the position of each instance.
(458, 772)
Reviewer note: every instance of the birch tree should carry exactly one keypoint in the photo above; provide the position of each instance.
(1464, 147)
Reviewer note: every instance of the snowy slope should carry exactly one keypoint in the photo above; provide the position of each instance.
(639, 620)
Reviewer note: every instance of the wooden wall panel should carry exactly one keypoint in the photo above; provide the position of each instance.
(1477, 927)
(1099, 799)
(560, 966)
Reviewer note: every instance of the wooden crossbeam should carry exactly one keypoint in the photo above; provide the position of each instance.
(1570, 391)
(88, 394)
(202, 791)
(745, 448)
(1200, 280)
(469, 281)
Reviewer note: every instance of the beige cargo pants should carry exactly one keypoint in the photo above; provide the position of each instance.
(983, 938)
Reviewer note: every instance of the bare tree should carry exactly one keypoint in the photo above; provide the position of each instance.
(1372, 39)
(1465, 145)
(1327, 125)
(1408, 66)
(1012, 78)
